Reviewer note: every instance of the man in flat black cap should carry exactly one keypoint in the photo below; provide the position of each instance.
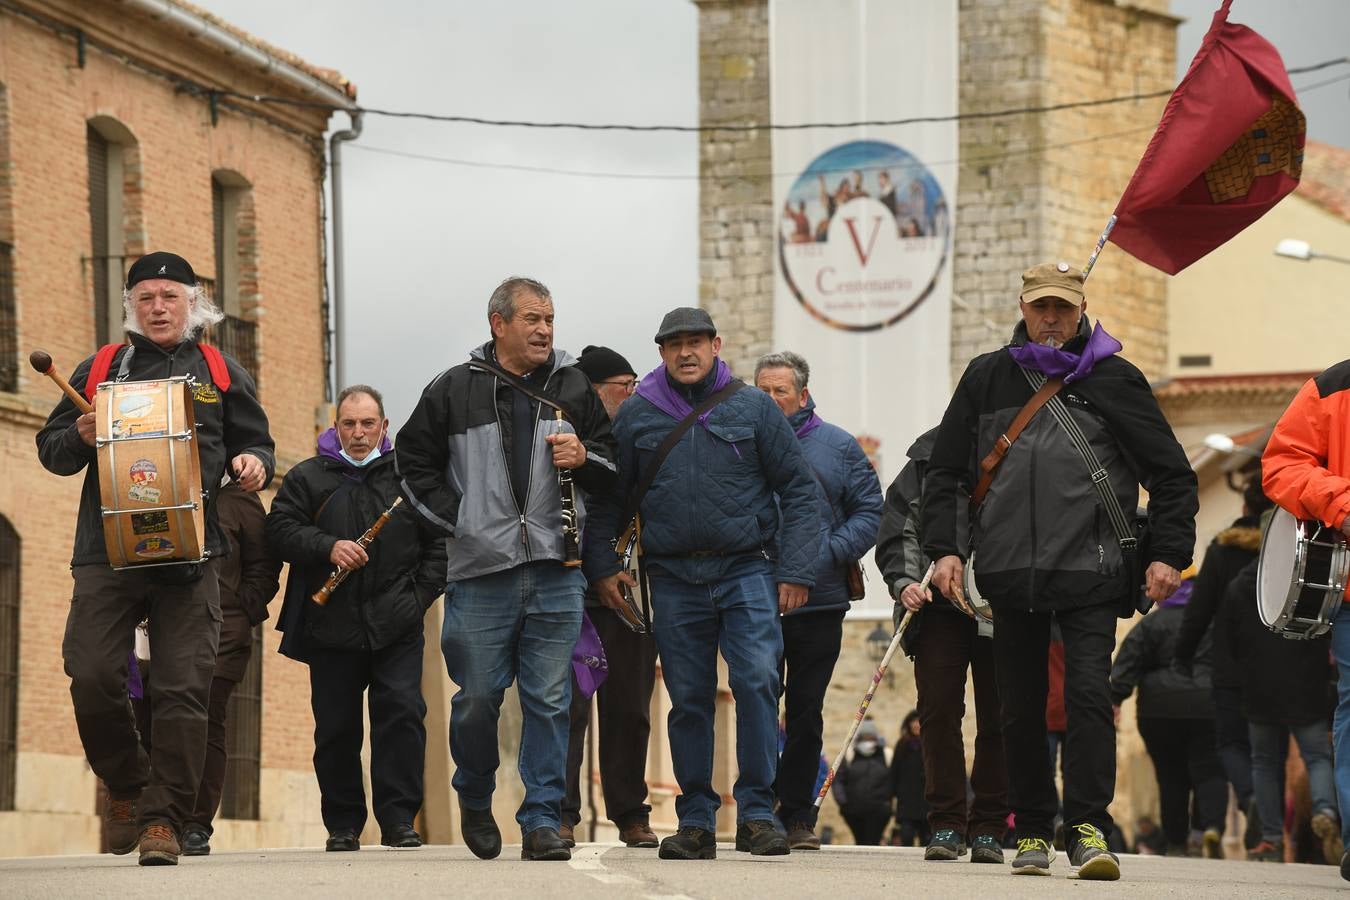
(722, 564)
(625, 698)
(152, 797)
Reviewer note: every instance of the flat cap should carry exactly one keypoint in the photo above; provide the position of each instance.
(685, 320)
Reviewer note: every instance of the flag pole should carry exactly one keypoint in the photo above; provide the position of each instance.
(1101, 242)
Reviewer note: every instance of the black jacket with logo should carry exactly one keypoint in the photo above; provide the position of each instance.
(226, 426)
(323, 500)
(1041, 539)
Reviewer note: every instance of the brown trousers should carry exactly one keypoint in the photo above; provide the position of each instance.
(184, 628)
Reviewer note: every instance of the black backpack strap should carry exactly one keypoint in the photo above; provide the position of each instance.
(644, 482)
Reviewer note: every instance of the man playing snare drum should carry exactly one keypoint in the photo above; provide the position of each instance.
(1306, 470)
(151, 797)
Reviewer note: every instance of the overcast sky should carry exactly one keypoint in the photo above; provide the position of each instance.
(427, 241)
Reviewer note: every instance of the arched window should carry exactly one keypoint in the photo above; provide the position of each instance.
(9, 661)
(235, 286)
(9, 319)
(116, 234)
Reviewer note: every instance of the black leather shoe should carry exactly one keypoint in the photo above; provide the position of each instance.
(544, 843)
(402, 836)
(480, 832)
(196, 842)
(689, 843)
(341, 840)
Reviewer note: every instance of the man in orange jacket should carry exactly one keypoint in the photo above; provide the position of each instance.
(1307, 472)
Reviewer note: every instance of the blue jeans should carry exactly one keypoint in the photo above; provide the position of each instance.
(520, 624)
(1270, 748)
(1340, 729)
(739, 614)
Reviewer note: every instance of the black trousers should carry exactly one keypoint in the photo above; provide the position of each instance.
(398, 736)
(1232, 739)
(867, 827)
(625, 700)
(1187, 765)
(184, 628)
(947, 646)
(1021, 650)
(810, 650)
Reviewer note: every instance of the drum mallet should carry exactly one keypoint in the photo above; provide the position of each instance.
(42, 362)
(871, 691)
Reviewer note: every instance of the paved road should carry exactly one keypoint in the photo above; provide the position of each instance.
(613, 872)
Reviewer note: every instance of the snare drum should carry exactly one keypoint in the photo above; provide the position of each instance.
(1301, 576)
(149, 473)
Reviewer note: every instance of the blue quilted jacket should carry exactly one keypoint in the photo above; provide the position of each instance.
(850, 502)
(712, 502)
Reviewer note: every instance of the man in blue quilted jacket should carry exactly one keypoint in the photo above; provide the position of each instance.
(849, 499)
(722, 565)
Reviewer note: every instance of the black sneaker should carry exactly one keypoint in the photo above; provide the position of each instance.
(689, 843)
(946, 844)
(196, 841)
(1034, 856)
(1090, 859)
(986, 849)
(760, 838)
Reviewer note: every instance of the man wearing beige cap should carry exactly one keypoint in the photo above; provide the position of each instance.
(1066, 431)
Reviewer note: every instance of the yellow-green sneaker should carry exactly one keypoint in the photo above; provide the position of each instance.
(1090, 859)
(1034, 856)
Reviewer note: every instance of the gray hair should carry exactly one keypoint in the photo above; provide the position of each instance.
(801, 372)
(503, 299)
(354, 389)
(202, 313)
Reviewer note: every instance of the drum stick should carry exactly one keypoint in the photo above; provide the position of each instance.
(41, 360)
(871, 691)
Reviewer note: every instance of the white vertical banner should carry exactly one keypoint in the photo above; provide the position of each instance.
(863, 272)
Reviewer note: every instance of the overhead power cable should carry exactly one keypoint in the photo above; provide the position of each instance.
(759, 126)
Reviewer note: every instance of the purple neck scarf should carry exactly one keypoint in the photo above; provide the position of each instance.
(1070, 366)
(1181, 596)
(331, 447)
(804, 421)
(657, 389)
(589, 664)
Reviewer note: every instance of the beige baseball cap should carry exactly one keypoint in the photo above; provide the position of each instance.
(1053, 280)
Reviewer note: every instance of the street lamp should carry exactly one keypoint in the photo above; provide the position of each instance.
(877, 643)
(1296, 249)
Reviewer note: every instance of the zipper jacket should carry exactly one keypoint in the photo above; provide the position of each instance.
(1041, 539)
(453, 460)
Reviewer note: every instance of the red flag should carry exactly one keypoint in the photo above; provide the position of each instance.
(1228, 148)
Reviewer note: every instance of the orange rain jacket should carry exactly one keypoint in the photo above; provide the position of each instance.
(1306, 466)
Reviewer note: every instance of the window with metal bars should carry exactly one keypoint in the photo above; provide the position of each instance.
(9, 662)
(239, 794)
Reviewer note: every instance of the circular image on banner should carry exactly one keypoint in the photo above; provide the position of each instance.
(865, 234)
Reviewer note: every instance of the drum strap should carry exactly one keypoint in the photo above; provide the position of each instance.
(103, 360)
(989, 465)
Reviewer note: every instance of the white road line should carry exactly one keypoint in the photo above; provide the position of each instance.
(586, 860)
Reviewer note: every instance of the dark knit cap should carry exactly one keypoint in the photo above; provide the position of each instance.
(160, 264)
(600, 363)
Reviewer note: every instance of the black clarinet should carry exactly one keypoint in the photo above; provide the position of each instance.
(571, 534)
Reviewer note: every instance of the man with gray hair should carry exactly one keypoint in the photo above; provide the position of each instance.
(150, 799)
(488, 457)
(848, 496)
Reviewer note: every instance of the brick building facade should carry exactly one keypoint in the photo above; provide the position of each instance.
(109, 148)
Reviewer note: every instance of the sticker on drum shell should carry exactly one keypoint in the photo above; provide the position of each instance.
(143, 473)
(139, 414)
(154, 548)
(150, 522)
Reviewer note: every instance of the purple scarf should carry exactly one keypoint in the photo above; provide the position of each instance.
(803, 425)
(656, 388)
(1181, 596)
(331, 447)
(1072, 367)
(589, 664)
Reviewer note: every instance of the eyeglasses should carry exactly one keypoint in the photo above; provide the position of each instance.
(628, 384)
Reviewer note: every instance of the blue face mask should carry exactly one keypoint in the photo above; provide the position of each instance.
(373, 455)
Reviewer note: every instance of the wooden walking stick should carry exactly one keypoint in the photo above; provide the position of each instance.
(871, 690)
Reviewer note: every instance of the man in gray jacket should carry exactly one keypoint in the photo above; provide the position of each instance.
(481, 458)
